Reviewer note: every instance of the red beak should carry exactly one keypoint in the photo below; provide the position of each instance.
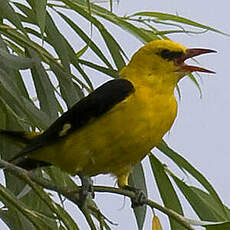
(193, 53)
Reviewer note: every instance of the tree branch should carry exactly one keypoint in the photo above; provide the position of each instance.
(73, 195)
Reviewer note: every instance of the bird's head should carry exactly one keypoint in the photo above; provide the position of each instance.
(165, 60)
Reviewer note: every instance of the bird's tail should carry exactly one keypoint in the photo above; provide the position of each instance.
(22, 138)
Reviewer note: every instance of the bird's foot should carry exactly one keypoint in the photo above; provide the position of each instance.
(86, 189)
(140, 197)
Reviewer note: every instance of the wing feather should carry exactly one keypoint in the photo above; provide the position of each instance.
(91, 107)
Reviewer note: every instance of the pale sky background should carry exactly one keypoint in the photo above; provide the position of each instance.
(201, 130)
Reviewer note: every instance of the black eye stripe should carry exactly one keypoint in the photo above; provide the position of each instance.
(170, 55)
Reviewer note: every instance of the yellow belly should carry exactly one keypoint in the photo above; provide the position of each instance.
(118, 139)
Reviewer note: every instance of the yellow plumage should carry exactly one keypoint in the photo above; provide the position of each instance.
(124, 135)
(121, 137)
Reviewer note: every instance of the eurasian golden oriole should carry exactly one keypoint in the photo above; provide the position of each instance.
(114, 127)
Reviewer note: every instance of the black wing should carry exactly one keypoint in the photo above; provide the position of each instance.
(94, 105)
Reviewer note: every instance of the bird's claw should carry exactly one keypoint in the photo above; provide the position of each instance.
(140, 197)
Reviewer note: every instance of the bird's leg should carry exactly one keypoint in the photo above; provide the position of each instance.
(140, 197)
(86, 188)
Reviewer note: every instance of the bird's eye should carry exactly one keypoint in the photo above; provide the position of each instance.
(170, 55)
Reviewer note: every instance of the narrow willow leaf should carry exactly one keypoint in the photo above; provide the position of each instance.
(12, 107)
(58, 42)
(68, 50)
(199, 205)
(185, 165)
(223, 226)
(66, 218)
(110, 72)
(2, 117)
(11, 97)
(38, 220)
(86, 39)
(36, 116)
(40, 9)
(60, 178)
(24, 41)
(9, 84)
(196, 83)
(82, 51)
(67, 89)
(175, 18)
(46, 206)
(120, 21)
(38, 13)
(84, 75)
(14, 74)
(7, 11)
(166, 190)
(95, 211)
(20, 84)
(30, 14)
(15, 62)
(44, 88)
(210, 201)
(114, 48)
(204, 223)
(15, 220)
(139, 33)
(137, 180)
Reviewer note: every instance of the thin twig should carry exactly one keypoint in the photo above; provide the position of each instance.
(73, 196)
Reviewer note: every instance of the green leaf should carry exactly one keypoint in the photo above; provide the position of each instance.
(86, 39)
(110, 72)
(38, 220)
(11, 98)
(137, 180)
(114, 48)
(60, 178)
(58, 42)
(7, 11)
(40, 9)
(30, 14)
(66, 218)
(84, 75)
(44, 88)
(196, 83)
(15, 220)
(141, 34)
(36, 116)
(166, 190)
(82, 51)
(201, 206)
(67, 88)
(15, 62)
(211, 203)
(185, 165)
(7, 67)
(222, 226)
(170, 17)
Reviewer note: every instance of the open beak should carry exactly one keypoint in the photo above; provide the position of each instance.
(189, 54)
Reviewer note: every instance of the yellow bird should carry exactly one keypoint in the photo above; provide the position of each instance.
(114, 127)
